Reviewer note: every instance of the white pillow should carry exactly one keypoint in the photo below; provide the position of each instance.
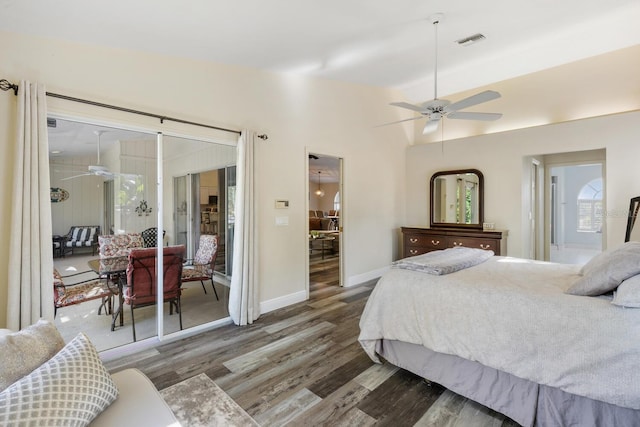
(22, 352)
(628, 293)
(70, 389)
(607, 270)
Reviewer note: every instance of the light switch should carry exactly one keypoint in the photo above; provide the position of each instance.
(282, 220)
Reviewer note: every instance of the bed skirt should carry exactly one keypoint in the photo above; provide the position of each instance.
(526, 402)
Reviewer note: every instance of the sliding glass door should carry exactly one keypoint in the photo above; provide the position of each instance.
(139, 184)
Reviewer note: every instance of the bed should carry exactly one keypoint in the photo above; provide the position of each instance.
(506, 333)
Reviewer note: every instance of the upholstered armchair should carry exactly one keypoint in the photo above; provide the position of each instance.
(141, 289)
(203, 264)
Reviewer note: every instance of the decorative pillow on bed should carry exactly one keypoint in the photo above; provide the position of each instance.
(22, 352)
(604, 272)
(628, 293)
(70, 389)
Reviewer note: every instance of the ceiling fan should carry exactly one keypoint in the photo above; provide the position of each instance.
(98, 169)
(436, 109)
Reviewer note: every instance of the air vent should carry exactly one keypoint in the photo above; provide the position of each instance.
(51, 123)
(471, 40)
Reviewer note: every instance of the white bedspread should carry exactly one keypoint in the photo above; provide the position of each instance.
(512, 314)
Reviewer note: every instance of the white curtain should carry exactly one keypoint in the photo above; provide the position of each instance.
(30, 291)
(244, 304)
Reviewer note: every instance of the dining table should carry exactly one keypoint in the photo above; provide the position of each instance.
(114, 269)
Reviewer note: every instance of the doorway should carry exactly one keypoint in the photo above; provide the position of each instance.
(576, 212)
(326, 217)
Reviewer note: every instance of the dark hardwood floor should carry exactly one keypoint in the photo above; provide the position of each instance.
(302, 365)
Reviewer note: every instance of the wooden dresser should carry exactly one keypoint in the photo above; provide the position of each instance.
(416, 241)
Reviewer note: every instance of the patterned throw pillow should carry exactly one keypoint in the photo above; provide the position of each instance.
(22, 352)
(71, 389)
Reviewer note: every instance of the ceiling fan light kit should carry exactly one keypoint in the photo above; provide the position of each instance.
(436, 109)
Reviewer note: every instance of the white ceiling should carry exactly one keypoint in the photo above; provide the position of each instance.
(372, 42)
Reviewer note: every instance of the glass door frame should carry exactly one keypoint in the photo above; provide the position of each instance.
(151, 130)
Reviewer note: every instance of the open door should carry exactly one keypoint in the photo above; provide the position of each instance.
(325, 216)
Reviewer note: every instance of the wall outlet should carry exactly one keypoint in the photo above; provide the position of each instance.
(488, 226)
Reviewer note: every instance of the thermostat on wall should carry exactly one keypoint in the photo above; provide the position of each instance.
(282, 204)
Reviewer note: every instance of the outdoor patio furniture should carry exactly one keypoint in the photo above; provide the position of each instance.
(141, 287)
(203, 264)
(66, 294)
(81, 236)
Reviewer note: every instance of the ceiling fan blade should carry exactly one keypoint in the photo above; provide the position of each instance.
(430, 126)
(406, 105)
(399, 121)
(487, 117)
(487, 95)
(75, 176)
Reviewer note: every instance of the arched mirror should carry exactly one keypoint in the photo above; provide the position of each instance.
(457, 199)
(633, 229)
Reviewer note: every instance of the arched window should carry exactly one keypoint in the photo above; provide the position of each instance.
(590, 206)
(336, 202)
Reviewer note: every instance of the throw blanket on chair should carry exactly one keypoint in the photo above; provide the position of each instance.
(445, 261)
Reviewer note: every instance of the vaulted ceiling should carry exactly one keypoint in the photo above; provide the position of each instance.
(551, 60)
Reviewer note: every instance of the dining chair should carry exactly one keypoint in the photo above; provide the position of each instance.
(66, 294)
(150, 237)
(141, 288)
(117, 245)
(203, 264)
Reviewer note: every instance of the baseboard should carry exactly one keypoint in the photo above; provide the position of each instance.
(365, 277)
(283, 301)
(287, 300)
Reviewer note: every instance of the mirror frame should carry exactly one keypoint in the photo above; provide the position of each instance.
(434, 224)
(634, 206)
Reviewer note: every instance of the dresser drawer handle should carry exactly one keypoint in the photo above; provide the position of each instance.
(484, 246)
(457, 244)
(413, 251)
(413, 240)
(435, 242)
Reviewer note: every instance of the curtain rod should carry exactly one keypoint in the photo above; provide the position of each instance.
(6, 85)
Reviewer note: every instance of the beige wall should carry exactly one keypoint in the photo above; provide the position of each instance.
(500, 158)
(299, 115)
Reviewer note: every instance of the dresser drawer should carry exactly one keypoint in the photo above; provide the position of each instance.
(469, 242)
(432, 243)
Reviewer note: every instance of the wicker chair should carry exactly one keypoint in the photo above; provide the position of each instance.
(203, 263)
(142, 280)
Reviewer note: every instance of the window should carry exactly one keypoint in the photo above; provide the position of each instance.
(336, 202)
(590, 207)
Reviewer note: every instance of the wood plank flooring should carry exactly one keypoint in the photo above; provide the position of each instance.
(302, 366)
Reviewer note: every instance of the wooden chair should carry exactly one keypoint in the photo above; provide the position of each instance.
(204, 262)
(141, 287)
(68, 294)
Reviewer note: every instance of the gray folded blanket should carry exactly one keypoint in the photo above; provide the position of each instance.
(444, 261)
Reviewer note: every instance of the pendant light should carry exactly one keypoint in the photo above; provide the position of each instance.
(319, 191)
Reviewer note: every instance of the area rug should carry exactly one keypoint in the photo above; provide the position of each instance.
(199, 401)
